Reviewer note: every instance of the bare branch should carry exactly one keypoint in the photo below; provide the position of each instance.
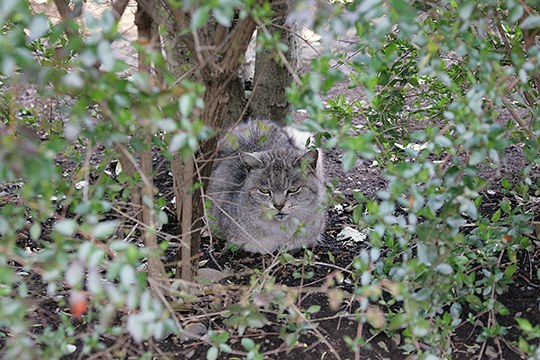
(221, 34)
(118, 8)
(237, 45)
(66, 12)
(516, 117)
(187, 213)
(156, 270)
(183, 23)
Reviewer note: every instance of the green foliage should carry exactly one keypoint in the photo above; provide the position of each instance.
(438, 82)
(448, 86)
(66, 248)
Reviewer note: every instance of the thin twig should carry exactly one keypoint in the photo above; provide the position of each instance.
(518, 119)
(187, 211)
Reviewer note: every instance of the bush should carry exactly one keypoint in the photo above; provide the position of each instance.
(449, 87)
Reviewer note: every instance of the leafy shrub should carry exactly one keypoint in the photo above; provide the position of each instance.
(449, 86)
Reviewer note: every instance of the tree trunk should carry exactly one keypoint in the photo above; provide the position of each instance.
(147, 34)
(216, 99)
(272, 77)
(236, 107)
(215, 53)
(181, 62)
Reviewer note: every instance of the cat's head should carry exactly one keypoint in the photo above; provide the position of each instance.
(281, 183)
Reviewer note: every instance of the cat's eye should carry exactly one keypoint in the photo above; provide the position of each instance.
(264, 191)
(293, 190)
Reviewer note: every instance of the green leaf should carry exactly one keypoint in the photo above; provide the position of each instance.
(466, 9)
(405, 10)
(505, 206)
(94, 283)
(423, 254)
(455, 310)
(367, 5)
(66, 227)
(291, 339)
(35, 231)
(524, 324)
(39, 25)
(75, 274)
(477, 156)
(4, 226)
(349, 160)
(248, 344)
(225, 348)
(223, 15)
(212, 353)
(104, 229)
(127, 275)
(443, 141)
(168, 125)
(186, 103)
(496, 216)
(313, 309)
(178, 142)
(444, 269)
(515, 12)
(6, 7)
(119, 246)
(105, 54)
(199, 17)
(510, 270)
(220, 337)
(532, 22)
(73, 81)
(137, 327)
(357, 214)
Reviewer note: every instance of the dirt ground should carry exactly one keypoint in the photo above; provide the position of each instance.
(326, 341)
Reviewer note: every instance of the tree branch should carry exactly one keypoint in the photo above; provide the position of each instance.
(237, 45)
(146, 29)
(66, 12)
(221, 34)
(187, 221)
(516, 117)
(183, 23)
(118, 8)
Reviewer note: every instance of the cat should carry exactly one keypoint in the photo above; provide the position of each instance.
(267, 188)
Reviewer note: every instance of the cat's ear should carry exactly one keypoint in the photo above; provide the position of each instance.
(250, 160)
(310, 158)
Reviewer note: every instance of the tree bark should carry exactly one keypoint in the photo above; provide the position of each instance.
(272, 77)
(220, 80)
(212, 56)
(147, 34)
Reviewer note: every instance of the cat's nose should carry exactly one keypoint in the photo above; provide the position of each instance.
(279, 206)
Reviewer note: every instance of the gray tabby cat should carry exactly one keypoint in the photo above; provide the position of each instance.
(267, 189)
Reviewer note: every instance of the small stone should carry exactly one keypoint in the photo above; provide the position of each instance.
(193, 331)
(491, 353)
(212, 275)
